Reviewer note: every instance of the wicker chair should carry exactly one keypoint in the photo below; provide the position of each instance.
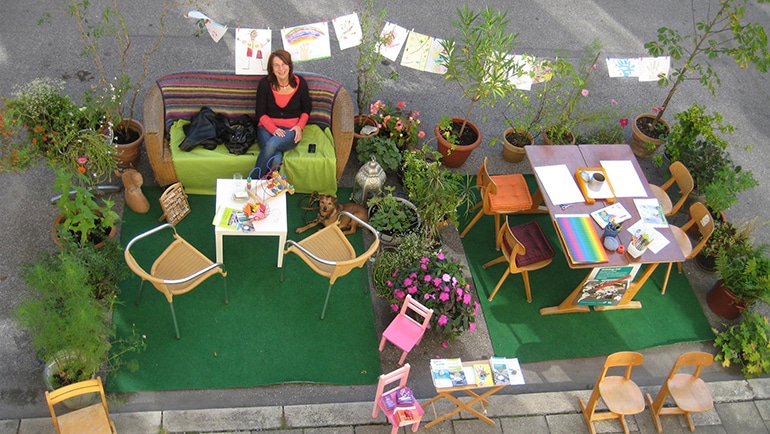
(178, 270)
(329, 253)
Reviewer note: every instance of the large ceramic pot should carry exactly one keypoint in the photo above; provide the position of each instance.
(390, 238)
(128, 150)
(723, 302)
(643, 145)
(515, 153)
(54, 366)
(455, 155)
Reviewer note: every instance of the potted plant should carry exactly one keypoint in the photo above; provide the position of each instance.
(481, 62)
(40, 122)
(722, 31)
(746, 343)
(743, 274)
(696, 140)
(369, 76)
(70, 315)
(438, 281)
(726, 235)
(397, 123)
(393, 217)
(383, 149)
(84, 216)
(410, 248)
(436, 191)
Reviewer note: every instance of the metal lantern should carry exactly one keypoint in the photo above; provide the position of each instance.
(369, 180)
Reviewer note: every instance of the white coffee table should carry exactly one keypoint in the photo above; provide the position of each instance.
(274, 225)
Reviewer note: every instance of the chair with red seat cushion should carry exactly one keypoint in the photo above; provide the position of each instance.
(525, 248)
(500, 194)
(404, 331)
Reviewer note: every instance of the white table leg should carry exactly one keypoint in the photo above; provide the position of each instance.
(218, 244)
(281, 243)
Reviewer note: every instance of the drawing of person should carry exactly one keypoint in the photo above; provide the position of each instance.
(254, 49)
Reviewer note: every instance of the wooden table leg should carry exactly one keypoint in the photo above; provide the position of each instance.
(569, 304)
(462, 405)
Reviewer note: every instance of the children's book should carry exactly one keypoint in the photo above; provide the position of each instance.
(581, 238)
(406, 415)
(506, 370)
(651, 213)
(448, 373)
(615, 212)
(483, 375)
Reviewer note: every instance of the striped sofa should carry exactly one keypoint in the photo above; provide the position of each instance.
(179, 96)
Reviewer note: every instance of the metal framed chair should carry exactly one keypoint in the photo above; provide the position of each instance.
(94, 418)
(620, 394)
(405, 331)
(700, 217)
(178, 270)
(688, 391)
(500, 194)
(682, 178)
(525, 248)
(329, 253)
(400, 375)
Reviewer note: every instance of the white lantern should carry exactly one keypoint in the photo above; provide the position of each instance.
(369, 180)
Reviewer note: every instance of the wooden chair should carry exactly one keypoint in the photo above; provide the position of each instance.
(620, 394)
(688, 391)
(329, 253)
(178, 270)
(400, 375)
(700, 217)
(500, 194)
(94, 419)
(525, 248)
(682, 178)
(404, 331)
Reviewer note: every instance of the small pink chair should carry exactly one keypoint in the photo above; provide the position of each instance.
(400, 375)
(404, 331)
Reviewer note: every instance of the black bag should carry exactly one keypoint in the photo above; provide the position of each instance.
(206, 128)
(241, 136)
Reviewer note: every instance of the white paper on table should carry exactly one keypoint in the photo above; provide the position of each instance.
(658, 240)
(624, 179)
(559, 184)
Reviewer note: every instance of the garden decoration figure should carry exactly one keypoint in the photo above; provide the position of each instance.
(369, 179)
(132, 190)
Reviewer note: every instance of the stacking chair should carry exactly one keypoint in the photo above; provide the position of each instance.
(405, 331)
(500, 194)
(682, 178)
(688, 391)
(329, 253)
(525, 248)
(400, 375)
(178, 270)
(94, 419)
(700, 216)
(620, 394)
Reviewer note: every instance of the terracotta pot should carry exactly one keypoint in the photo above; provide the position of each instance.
(723, 302)
(511, 152)
(455, 155)
(547, 139)
(643, 145)
(60, 219)
(128, 154)
(363, 120)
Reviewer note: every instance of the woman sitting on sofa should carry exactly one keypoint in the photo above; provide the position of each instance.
(283, 109)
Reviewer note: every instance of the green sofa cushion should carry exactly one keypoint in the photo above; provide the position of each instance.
(199, 169)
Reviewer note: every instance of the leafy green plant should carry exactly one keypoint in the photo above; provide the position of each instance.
(370, 78)
(392, 215)
(481, 60)
(746, 343)
(411, 247)
(745, 271)
(86, 217)
(696, 139)
(397, 124)
(383, 149)
(721, 29)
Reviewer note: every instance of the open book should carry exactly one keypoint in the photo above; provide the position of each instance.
(615, 212)
(448, 373)
(506, 370)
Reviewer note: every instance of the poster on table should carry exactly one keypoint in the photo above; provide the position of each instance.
(348, 30)
(252, 49)
(394, 37)
(652, 68)
(307, 42)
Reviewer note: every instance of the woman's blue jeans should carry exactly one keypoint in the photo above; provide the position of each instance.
(271, 149)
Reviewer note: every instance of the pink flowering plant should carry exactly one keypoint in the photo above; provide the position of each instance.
(397, 123)
(437, 281)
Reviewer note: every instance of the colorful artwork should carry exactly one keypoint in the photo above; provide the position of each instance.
(348, 31)
(394, 36)
(652, 68)
(252, 48)
(307, 42)
(416, 51)
(436, 56)
(215, 30)
(620, 67)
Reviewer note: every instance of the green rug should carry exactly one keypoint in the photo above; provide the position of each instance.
(517, 329)
(269, 333)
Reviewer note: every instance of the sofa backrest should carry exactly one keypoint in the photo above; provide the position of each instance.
(232, 95)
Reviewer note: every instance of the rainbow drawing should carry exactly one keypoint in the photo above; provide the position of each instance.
(584, 246)
(302, 34)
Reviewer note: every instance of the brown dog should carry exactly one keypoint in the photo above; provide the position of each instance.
(329, 209)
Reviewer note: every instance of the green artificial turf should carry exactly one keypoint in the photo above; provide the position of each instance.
(269, 333)
(517, 329)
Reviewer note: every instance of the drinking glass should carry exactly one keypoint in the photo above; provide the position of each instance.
(238, 178)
